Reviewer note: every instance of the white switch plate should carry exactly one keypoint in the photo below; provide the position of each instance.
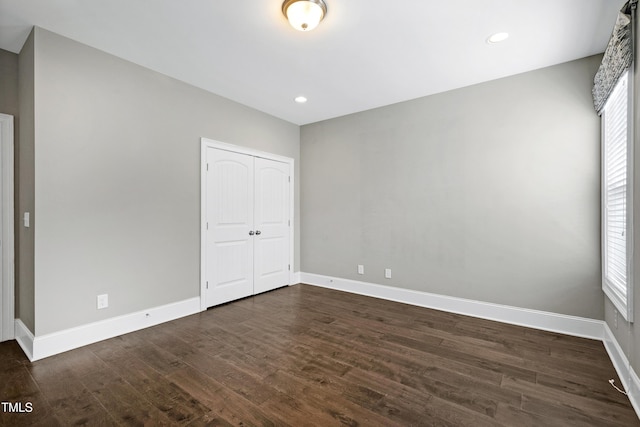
(103, 301)
(26, 219)
(360, 269)
(387, 273)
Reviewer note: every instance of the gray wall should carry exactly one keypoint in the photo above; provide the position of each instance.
(117, 181)
(490, 192)
(24, 187)
(8, 83)
(9, 96)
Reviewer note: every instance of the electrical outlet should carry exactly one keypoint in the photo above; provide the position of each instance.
(387, 273)
(103, 301)
(360, 269)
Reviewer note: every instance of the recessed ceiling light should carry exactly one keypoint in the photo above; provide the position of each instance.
(498, 37)
(300, 99)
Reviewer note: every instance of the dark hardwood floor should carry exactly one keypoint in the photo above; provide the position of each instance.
(304, 355)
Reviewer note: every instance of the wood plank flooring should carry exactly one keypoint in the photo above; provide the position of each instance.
(307, 356)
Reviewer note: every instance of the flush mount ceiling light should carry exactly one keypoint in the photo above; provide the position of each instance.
(304, 15)
(498, 37)
(300, 99)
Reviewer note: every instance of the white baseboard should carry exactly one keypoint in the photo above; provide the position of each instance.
(295, 278)
(39, 347)
(9, 332)
(24, 337)
(564, 324)
(628, 376)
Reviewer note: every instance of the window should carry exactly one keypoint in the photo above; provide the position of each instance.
(616, 196)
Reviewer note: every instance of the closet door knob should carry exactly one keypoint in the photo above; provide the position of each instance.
(251, 233)
(258, 232)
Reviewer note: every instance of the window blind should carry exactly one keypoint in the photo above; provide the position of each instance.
(615, 133)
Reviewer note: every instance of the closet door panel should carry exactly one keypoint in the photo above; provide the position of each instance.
(272, 222)
(230, 207)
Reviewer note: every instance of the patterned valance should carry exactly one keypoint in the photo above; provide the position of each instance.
(617, 57)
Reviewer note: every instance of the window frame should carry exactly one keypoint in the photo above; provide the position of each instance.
(623, 303)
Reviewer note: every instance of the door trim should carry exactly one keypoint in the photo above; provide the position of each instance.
(210, 143)
(7, 320)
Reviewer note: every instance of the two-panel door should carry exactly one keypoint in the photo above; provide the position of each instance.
(248, 225)
(271, 219)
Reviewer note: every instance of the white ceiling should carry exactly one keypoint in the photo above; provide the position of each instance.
(365, 54)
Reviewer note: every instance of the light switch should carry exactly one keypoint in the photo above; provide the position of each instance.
(26, 219)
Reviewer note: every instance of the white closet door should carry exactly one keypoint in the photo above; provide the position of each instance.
(271, 263)
(230, 207)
